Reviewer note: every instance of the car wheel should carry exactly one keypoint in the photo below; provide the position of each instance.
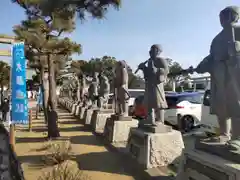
(187, 123)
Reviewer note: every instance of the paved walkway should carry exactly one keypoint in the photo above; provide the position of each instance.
(94, 159)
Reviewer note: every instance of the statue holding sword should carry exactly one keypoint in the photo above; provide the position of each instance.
(223, 64)
(155, 71)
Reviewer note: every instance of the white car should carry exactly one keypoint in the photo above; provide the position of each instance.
(183, 109)
(134, 93)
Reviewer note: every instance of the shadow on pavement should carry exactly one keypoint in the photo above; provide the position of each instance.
(87, 140)
(69, 122)
(115, 163)
(71, 129)
(40, 129)
(30, 139)
(66, 117)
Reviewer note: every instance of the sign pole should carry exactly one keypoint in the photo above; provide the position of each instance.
(12, 139)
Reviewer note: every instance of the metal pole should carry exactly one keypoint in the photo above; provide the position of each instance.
(12, 126)
(30, 120)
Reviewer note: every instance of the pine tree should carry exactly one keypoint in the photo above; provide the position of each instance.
(46, 21)
(46, 50)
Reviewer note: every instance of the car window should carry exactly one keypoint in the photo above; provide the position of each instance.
(171, 101)
(135, 94)
(206, 99)
(110, 99)
(139, 100)
(195, 99)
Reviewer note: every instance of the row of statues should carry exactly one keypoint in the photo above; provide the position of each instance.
(223, 64)
(97, 94)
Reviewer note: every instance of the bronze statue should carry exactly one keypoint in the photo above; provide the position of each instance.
(155, 74)
(104, 90)
(121, 86)
(223, 64)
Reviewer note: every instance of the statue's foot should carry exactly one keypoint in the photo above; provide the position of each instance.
(218, 139)
(158, 123)
(234, 144)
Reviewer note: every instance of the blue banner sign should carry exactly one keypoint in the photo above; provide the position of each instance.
(19, 103)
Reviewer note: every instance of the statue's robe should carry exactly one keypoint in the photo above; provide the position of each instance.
(104, 90)
(155, 75)
(225, 75)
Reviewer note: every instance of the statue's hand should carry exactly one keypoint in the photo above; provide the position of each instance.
(142, 66)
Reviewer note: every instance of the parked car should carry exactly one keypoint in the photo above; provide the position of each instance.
(183, 108)
(134, 93)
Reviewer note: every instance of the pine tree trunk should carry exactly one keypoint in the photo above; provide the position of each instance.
(2, 97)
(53, 130)
(45, 89)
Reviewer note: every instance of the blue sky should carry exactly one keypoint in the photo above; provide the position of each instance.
(184, 28)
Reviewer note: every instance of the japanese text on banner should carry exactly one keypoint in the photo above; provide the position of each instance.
(19, 113)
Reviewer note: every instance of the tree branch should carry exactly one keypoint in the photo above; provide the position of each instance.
(50, 20)
(60, 32)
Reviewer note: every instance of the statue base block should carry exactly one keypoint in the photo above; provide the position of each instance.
(82, 111)
(116, 117)
(200, 165)
(73, 109)
(218, 149)
(160, 128)
(88, 116)
(117, 131)
(155, 149)
(77, 112)
(70, 105)
(99, 119)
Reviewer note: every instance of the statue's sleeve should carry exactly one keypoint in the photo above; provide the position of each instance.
(163, 71)
(206, 64)
(124, 76)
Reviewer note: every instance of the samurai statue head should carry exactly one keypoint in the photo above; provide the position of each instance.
(155, 50)
(229, 16)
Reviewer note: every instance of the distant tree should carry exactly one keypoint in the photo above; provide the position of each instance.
(4, 76)
(174, 67)
(78, 67)
(96, 8)
(106, 65)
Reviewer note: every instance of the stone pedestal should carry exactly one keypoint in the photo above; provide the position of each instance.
(218, 149)
(155, 149)
(81, 113)
(88, 116)
(99, 119)
(70, 105)
(77, 112)
(200, 165)
(117, 129)
(74, 106)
